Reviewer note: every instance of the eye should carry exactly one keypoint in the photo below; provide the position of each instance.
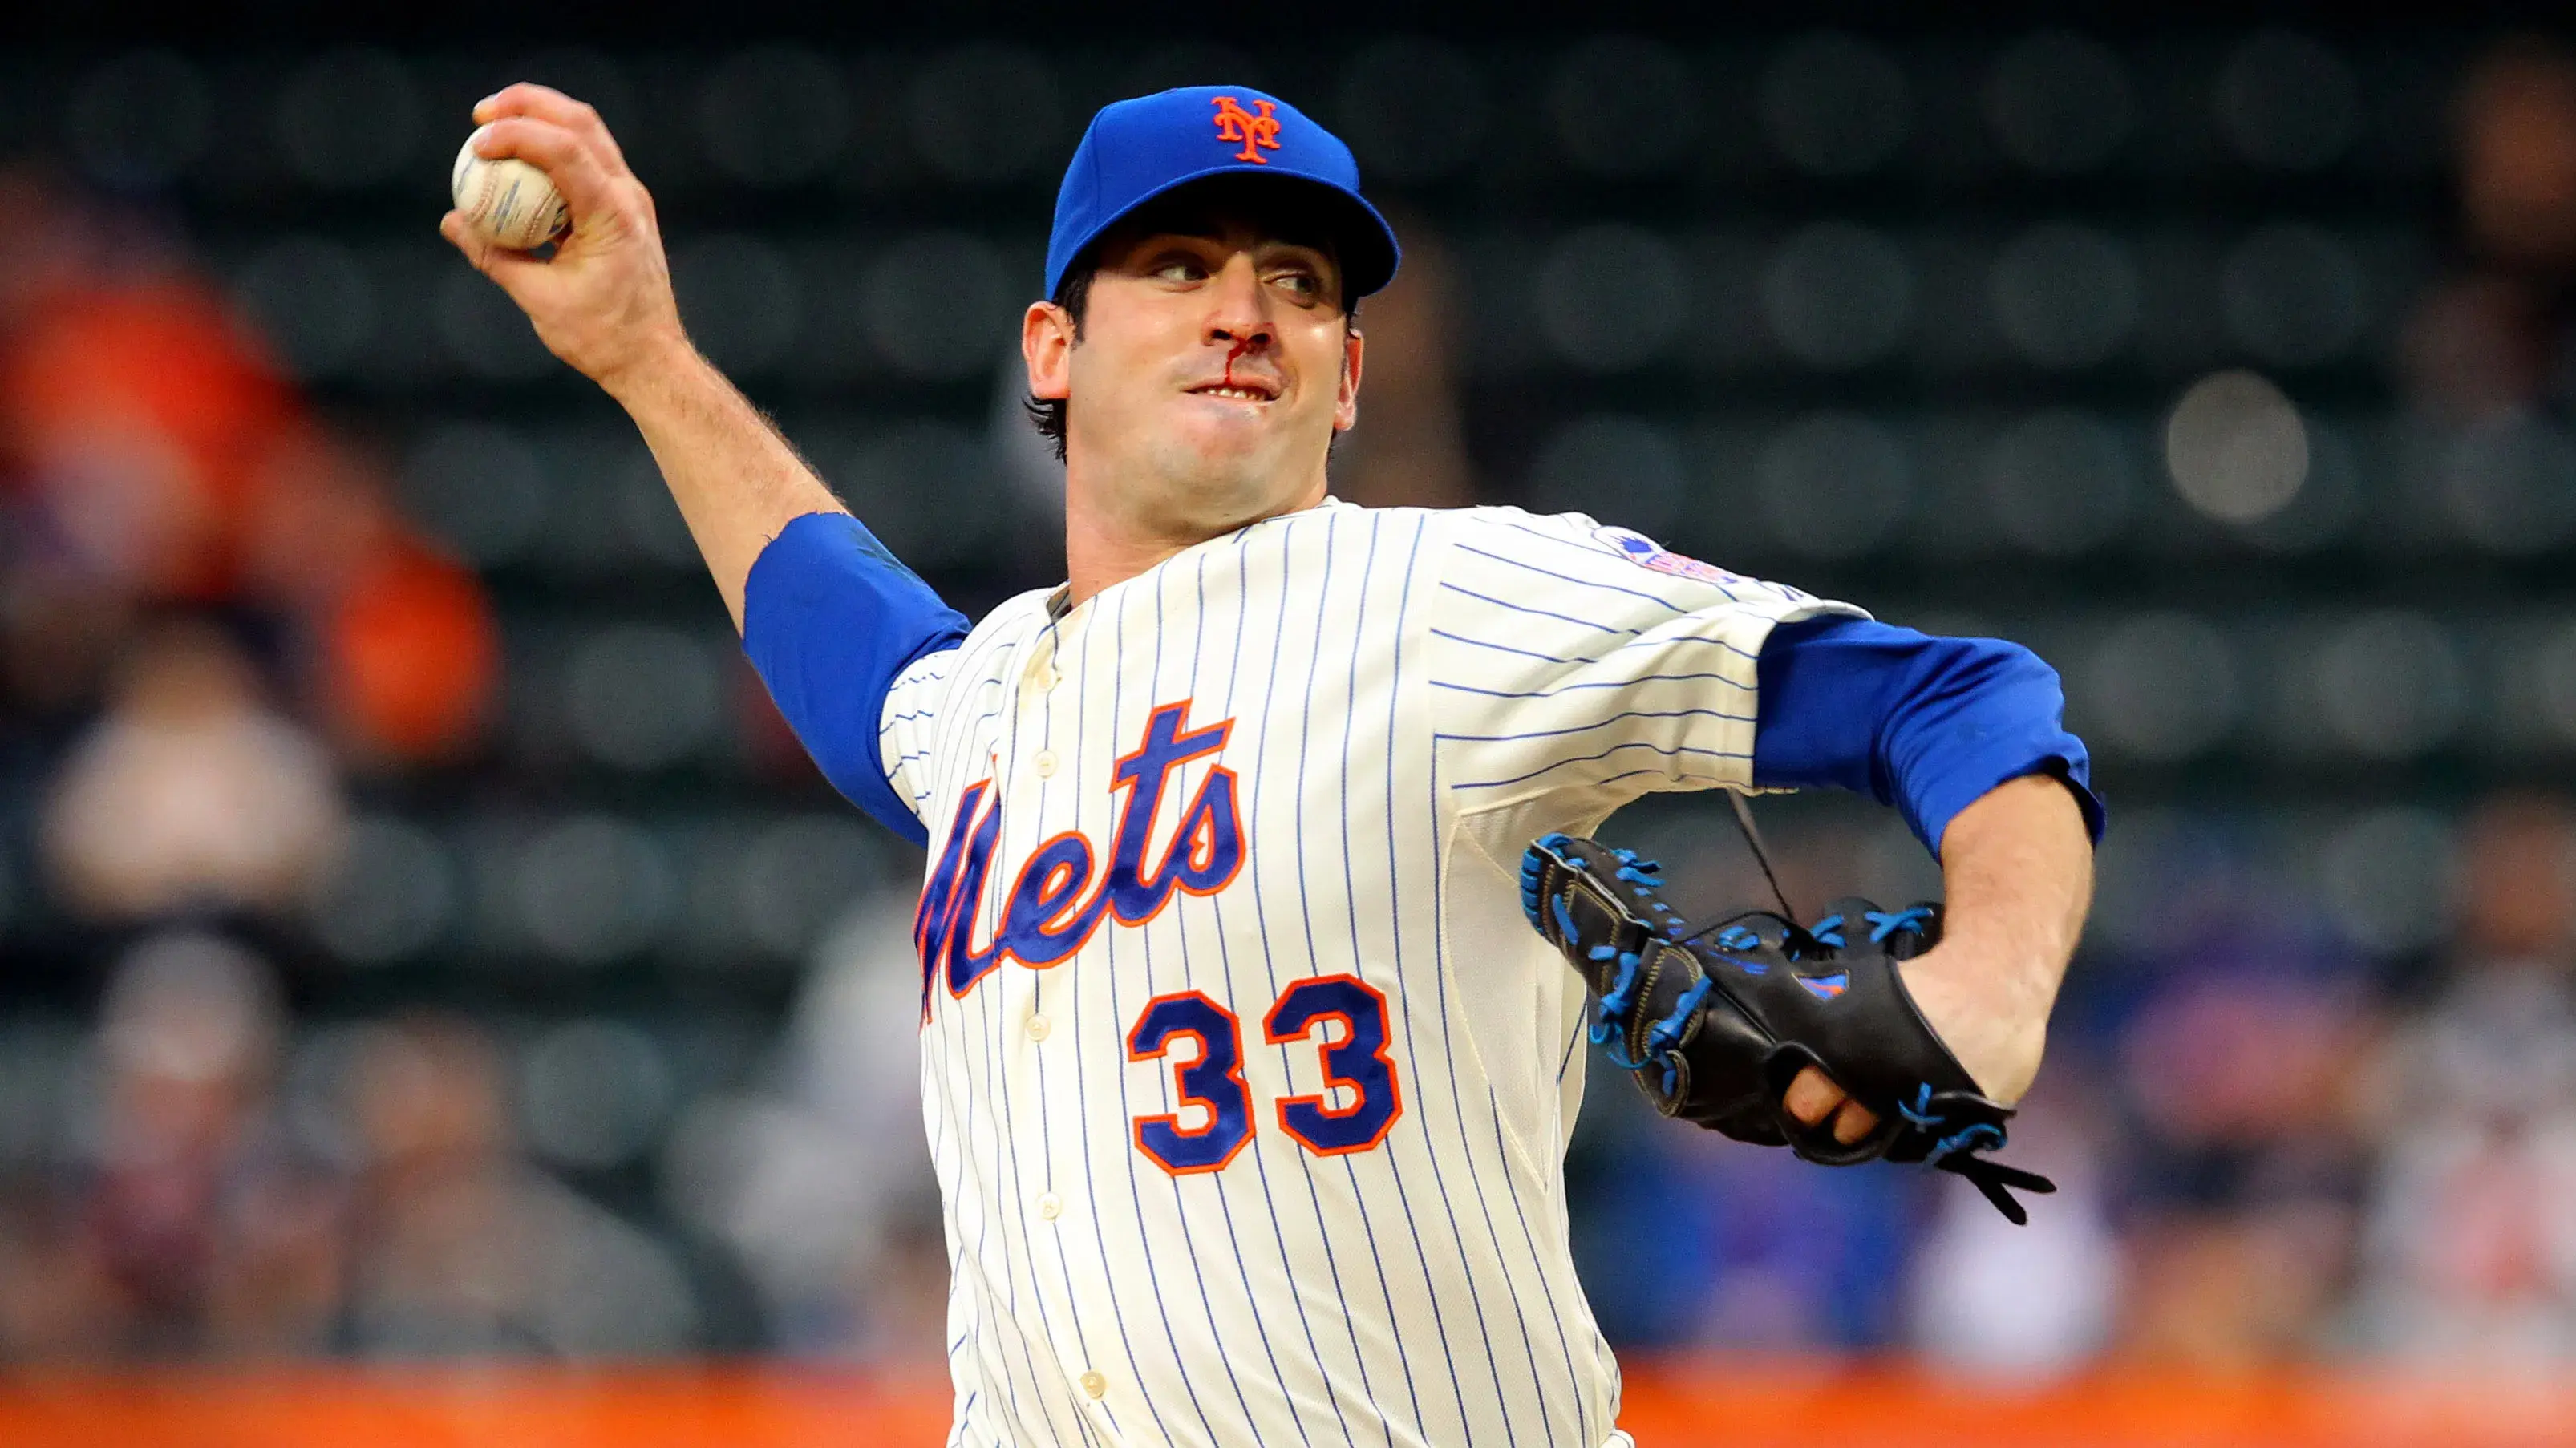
(1305, 285)
(1178, 269)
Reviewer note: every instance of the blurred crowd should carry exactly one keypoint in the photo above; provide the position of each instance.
(216, 1181)
(2275, 1138)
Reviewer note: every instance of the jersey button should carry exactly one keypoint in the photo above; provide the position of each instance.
(1094, 1385)
(1043, 676)
(1051, 1207)
(1045, 763)
(1038, 1028)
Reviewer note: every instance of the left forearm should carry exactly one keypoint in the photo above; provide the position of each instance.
(1928, 724)
(2017, 871)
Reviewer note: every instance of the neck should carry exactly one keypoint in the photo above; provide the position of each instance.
(1102, 547)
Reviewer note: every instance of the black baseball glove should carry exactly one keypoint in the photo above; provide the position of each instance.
(1715, 1023)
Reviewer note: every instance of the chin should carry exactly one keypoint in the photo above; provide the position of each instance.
(1222, 500)
(1228, 470)
(1220, 495)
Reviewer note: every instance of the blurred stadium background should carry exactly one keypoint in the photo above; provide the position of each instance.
(420, 940)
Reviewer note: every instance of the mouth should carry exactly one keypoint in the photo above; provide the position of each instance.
(1238, 391)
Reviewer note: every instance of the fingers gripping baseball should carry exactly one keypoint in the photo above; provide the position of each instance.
(603, 302)
(548, 104)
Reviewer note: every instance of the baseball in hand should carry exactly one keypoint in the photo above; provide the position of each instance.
(509, 201)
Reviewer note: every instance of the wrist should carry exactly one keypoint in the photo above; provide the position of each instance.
(1992, 1014)
(664, 363)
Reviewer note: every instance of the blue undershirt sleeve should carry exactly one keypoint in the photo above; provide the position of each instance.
(1922, 723)
(830, 620)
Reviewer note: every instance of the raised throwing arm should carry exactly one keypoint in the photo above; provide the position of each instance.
(604, 305)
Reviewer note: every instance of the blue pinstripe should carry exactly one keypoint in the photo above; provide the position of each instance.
(1046, 1145)
(1547, 1294)
(1539, 612)
(1591, 684)
(1224, 1198)
(1010, 1281)
(1656, 599)
(972, 669)
(1046, 1151)
(1604, 754)
(1597, 724)
(1126, 1109)
(1553, 659)
(1439, 895)
(1350, 901)
(956, 1260)
(1457, 1103)
(1006, 1139)
(1368, 1229)
(1608, 779)
(1243, 595)
(1508, 649)
(945, 742)
(1727, 644)
(1082, 1090)
(961, 763)
(985, 1352)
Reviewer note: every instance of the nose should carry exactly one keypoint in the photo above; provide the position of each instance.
(1238, 311)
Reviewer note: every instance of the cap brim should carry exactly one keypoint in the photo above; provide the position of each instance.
(1366, 243)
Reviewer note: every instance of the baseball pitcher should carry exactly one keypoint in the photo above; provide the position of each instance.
(1246, 1078)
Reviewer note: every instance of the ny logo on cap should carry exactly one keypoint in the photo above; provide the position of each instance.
(1256, 133)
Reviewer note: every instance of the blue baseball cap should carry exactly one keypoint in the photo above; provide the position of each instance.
(1139, 149)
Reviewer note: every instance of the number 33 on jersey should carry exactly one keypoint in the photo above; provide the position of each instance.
(1356, 1067)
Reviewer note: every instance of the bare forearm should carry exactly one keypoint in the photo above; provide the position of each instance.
(603, 303)
(737, 481)
(2017, 871)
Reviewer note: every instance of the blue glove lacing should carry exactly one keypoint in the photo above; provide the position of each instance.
(1982, 1136)
(1884, 923)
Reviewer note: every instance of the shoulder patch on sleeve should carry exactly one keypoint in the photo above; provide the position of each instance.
(1645, 552)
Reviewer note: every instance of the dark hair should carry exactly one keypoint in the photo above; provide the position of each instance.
(1047, 414)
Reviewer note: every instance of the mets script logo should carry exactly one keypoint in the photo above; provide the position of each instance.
(1061, 895)
(1255, 134)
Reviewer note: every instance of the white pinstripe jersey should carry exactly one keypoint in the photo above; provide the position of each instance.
(1247, 1084)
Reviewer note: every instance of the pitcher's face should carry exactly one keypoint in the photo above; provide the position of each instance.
(1212, 368)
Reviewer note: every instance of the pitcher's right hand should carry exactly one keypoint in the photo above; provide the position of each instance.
(604, 302)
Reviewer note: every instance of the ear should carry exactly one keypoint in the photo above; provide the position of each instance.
(1346, 402)
(1046, 344)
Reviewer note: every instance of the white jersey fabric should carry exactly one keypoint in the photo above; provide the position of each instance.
(1258, 1138)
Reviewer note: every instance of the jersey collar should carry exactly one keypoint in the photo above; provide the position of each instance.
(1060, 602)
